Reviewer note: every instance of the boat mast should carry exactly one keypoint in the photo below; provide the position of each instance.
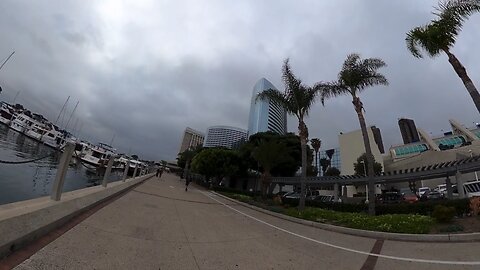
(111, 142)
(58, 117)
(66, 126)
(8, 58)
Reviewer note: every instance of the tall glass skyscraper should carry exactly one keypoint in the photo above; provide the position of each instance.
(266, 115)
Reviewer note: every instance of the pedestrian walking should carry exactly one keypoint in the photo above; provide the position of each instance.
(161, 172)
(158, 173)
(187, 181)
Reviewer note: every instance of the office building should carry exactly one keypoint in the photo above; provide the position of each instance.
(191, 139)
(335, 161)
(266, 115)
(225, 136)
(352, 147)
(408, 130)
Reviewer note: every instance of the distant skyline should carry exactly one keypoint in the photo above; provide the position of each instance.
(145, 70)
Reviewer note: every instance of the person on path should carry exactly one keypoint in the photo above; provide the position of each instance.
(158, 173)
(187, 181)
(161, 172)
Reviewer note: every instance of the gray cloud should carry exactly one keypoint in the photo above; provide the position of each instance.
(144, 70)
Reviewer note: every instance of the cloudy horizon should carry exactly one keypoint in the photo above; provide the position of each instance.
(145, 70)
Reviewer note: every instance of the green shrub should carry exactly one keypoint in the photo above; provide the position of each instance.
(415, 224)
(443, 213)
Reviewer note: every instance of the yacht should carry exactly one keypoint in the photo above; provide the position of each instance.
(96, 154)
(134, 163)
(36, 131)
(21, 122)
(6, 113)
(53, 137)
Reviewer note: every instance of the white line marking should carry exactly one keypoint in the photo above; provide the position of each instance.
(171, 186)
(344, 248)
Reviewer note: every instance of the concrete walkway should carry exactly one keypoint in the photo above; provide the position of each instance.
(160, 226)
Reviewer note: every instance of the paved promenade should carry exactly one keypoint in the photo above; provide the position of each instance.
(158, 225)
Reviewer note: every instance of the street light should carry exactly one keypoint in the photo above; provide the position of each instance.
(366, 186)
(471, 155)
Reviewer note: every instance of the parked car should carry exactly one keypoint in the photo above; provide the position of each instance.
(292, 195)
(408, 195)
(390, 197)
(422, 191)
(325, 198)
(282, 193)
(442, 188)
(435, 195)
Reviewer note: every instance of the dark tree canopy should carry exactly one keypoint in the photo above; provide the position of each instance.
(286, 168)
(359, 167)
(216, 162)
(332, 171)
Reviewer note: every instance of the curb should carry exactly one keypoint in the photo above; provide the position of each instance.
(465, 237)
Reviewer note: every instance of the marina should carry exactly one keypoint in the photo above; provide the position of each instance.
(32, 180)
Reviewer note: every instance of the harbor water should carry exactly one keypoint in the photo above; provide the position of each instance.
(20, 182)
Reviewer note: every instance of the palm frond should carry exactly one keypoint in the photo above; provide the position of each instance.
(357, 74)
(413, 40)
(329, 90)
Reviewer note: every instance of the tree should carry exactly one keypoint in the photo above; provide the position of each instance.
(440, 36)
(216, 162)
(135, 157)
(185, 158)
(355, 76)
(362, 163)
(297, 100)
(286, 168)
(332, 171)
(316, 144)
(270, 154)
(324, 163)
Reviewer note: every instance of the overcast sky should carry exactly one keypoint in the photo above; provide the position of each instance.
(144, 70)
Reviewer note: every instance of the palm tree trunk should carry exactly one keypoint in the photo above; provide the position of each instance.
(368, 150)
(303, 132)
(316, 162)
(462, 73)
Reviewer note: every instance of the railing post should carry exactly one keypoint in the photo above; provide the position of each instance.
(125, 171)
(107, 171)
(135, 171)
(335, 192)
(449, 188)
(62, 171)
(461, 190)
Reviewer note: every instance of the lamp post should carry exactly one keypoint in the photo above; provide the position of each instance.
(471, 155)
(366, 186)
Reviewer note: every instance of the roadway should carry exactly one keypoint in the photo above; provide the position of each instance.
(158, 225)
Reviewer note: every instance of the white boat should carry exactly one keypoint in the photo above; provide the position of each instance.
(96, 154)
(21, 122)
(134, 163)
(36, 131)
(53, 137)
(6, 113)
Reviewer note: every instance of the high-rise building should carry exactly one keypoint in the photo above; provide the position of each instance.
(377, 136)
(408, 130)
(266, 115)
(191, 139)
(224, 136)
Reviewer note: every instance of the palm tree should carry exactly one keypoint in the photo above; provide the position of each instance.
(440, 36)
(316, 144)
(297, 100)
(356, 75)
(270, 154)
